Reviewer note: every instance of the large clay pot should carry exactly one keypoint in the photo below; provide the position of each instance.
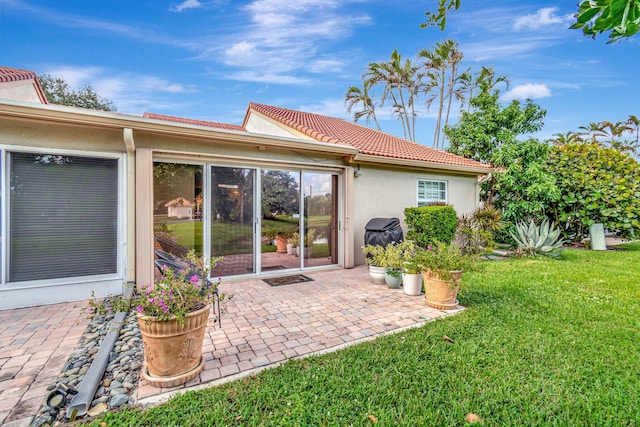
(281, 245)
(412, 283)
(441, 294)
(172, 350)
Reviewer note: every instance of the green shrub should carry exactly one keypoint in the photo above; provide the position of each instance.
(541, 239)
(430, 224)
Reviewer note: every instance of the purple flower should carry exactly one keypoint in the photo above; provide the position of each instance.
(194, 280)
(140, 309)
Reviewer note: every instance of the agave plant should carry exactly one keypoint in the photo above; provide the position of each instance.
(541, 239)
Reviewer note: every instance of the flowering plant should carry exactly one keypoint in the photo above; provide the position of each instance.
(184, 287)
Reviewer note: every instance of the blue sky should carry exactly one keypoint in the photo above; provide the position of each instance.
(208, 59)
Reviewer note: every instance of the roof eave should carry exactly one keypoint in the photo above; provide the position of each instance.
(381, 160)
(109, 120)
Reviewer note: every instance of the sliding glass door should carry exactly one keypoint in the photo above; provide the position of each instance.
(233, 220)
(320, 219)
(280, 219)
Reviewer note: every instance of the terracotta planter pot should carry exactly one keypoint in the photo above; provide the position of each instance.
(377, 274)
(412, 283)
(442, 294)
(281, 245)
(172, 350)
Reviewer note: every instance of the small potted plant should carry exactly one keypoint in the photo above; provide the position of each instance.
(374, 257)
(443, 266)
(309, 237)
(294, 241)
(281, 241)
(411, 269)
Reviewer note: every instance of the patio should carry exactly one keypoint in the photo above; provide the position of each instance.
(264, 326)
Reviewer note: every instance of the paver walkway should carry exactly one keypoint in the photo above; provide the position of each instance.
(264, 326)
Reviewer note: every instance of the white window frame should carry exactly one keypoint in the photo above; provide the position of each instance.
(423, 200)
(121, 218)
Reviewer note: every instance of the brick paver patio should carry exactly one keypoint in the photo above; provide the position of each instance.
(264, 326)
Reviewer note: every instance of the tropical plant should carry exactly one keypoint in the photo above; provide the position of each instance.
(533, 239)
(294, 239)
(442, 259)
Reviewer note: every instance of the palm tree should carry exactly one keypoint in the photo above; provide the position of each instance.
(489, 80)
(634, 125)
(356, 96)
(437, 63)
(400, 80)
(486, 79)
(565, 138)
(592, 130)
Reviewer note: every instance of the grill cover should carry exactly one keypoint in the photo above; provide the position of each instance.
(382, 231)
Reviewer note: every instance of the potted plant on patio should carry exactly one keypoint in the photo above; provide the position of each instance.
(281, 241)
(411, 270)
(309, 237)
(385, 264)
(294, 241)
(374, 255)
(172, 315)
(443, 266)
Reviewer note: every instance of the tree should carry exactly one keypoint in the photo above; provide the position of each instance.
(565, 138)
(400, 84)
(356, 96)
(489, 133)
(441, 66)
(619, 18)
(279, 193)
(596, 184)
(57, 91)
(634, 127)
(480, 133)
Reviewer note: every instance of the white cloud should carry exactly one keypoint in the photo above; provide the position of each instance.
(527, 91)
(542, 18)
(266, 77)
(331, 107)
(187, 4)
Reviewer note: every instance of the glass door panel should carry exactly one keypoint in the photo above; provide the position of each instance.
(320, 219)
(280, 214)
(232, 220)
(177, 214)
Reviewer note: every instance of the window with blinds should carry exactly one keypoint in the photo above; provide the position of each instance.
(431, 191)
(63, 216)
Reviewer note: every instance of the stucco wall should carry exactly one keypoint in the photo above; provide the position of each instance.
(386, 192)
(23, 90)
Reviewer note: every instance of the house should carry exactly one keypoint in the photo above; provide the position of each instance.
(85, 193)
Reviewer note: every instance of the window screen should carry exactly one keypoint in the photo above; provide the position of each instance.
(63, 216)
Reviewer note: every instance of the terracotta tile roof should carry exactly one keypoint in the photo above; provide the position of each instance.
(193, 122)
(13, 74)
(368, 141)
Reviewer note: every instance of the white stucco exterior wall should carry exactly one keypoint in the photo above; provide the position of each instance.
(386, 193)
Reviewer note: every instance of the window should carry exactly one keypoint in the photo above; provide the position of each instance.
(431, 191)
(63, 216)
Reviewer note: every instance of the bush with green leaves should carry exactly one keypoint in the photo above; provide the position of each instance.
(543, 239)
(430, 224)
(597, 185)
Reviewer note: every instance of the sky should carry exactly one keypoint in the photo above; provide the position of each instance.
(207, 60)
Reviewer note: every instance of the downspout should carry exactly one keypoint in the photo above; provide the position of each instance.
(87, 389)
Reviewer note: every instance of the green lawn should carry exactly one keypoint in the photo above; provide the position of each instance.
(544, 342)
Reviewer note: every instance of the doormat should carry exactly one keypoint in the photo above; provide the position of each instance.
(287, 280)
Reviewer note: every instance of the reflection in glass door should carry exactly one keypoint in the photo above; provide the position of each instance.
(232, 220)
(320, 219)
(280, 212)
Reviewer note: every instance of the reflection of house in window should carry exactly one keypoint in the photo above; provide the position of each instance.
(180, 208)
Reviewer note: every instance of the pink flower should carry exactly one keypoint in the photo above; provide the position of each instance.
(140, 309)
(194, 280)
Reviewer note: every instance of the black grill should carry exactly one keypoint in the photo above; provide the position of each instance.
(383, 231)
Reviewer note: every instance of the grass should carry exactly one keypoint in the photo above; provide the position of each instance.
(544, 342)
